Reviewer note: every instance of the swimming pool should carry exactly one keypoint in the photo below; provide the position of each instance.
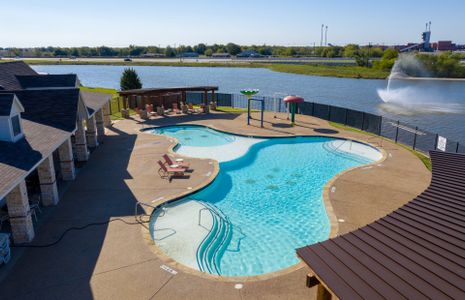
(260, 208)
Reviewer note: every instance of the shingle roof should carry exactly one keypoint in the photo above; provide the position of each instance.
(17, 159)
(56, 108)
(47, 81)
(6, 102)
(94, 101)
(8, 72)
(416, 252)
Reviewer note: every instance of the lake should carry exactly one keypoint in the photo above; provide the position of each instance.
(445, 99)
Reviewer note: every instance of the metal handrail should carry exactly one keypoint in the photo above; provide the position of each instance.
(167, 236)
(200, 216)
(144, 204)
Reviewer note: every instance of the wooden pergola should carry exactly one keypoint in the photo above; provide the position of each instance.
(158, 96)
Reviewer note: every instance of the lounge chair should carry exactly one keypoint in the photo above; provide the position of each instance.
(192, 109)
(180, 163)
(176, 109)
(168, 171)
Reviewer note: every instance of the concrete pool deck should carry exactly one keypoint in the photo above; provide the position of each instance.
(116, 260)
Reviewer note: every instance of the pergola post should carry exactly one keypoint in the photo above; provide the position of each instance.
(322, 293)
(65, 152)
(48, 182)
(19, 212)
(205, 96)
(183, 97)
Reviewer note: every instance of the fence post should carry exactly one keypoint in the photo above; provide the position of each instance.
(415, 138)
(380, 125)
(436, 142)
(346, 116)
(363, 120)
(329, 112)
(457, 148)
(397, 131)
(119, 105)
(279, 105)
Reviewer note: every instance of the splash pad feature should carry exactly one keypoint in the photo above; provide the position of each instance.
(293, 102)
(250, 93)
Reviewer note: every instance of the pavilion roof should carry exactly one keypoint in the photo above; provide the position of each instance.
(162, 91)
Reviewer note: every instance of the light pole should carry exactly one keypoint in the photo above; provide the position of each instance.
(321, 37)
(326, 36)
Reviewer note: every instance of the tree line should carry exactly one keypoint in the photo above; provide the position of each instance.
(349, 51)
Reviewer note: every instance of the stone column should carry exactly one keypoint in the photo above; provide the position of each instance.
(20, 214)
(65, 152)
(107, 114)
(48, 182)
(100, 125)
(91, 132)
(82, 154)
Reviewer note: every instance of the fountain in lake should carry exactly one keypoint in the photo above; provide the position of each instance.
(420, 94)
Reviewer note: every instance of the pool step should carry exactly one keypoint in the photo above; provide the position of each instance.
(212, 248)
(338, 150)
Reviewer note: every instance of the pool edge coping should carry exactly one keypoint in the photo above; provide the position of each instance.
(326, 195)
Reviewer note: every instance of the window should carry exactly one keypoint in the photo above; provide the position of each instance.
(16, 125)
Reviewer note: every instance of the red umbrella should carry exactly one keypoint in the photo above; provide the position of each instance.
(293, 100)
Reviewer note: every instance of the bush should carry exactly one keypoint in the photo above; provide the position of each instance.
(387, 60)
(130, 80)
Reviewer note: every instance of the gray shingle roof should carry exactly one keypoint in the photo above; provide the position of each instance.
(56, 108)
(8, 72)
(6, 102)
(17, 159)
(47, 81)
(94, 101)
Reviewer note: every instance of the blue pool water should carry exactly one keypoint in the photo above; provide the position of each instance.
(267, 203)
(197, 136)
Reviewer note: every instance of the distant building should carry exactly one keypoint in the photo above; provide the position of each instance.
(221, 55)
(154, 55)
(250, 54)
(189, 54)
(444, 46)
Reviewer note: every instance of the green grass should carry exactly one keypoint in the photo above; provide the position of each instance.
(115, 108)
(319, 68)
(228, 109)
(331, 71)
(425, 159)
(100, 90)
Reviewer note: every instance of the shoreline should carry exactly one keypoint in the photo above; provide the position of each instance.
(321, 67)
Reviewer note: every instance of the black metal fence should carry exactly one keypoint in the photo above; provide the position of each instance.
(395, 130)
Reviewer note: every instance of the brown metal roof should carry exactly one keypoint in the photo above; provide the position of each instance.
(416, 252)
(155, 91)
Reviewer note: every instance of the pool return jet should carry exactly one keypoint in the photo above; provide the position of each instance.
(293, 101)
(249, 93)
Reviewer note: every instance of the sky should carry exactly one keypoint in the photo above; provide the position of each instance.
(119, 23)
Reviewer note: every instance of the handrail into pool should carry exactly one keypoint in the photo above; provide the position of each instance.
(161, 215)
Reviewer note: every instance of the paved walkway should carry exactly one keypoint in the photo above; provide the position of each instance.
(116, 261)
